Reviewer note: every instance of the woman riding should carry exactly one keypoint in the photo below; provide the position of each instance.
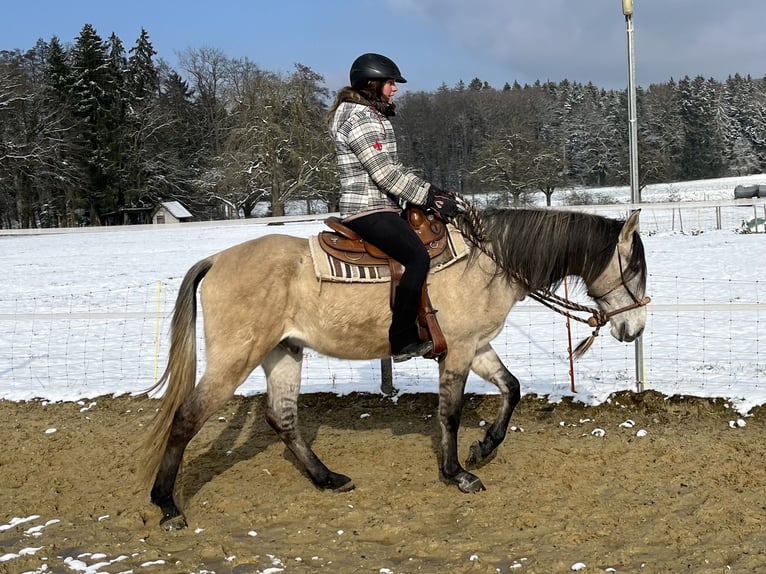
(375, 187)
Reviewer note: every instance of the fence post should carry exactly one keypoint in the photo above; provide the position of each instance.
(387, 376)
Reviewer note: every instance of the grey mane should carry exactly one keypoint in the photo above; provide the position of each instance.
(539, 247)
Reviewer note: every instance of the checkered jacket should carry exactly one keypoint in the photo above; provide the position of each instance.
(371, 176)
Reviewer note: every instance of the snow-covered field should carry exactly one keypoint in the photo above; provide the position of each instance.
(86, 312)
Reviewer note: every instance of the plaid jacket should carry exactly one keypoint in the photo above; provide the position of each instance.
(370, 174)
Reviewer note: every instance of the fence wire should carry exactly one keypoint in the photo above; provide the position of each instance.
(705, 340)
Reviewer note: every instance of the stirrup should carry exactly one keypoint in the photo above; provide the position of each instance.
(413, 350)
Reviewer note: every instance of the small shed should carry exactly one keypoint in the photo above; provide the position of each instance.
(170, 212)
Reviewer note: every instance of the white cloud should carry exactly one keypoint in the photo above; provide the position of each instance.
(586, 40)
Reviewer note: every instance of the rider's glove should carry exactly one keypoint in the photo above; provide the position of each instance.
(445, 205)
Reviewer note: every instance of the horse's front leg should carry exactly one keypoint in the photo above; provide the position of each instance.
(451, 388)
(489, 367)
(283, 381)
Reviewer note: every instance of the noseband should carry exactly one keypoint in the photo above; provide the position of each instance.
(601, 318)
(598, 318)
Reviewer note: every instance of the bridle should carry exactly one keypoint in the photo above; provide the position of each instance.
(546, 297)
(598, 318)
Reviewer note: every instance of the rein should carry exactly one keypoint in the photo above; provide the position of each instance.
(598, 318)
(561, 305)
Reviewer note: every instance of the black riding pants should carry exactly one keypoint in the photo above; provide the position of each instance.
(392, 234)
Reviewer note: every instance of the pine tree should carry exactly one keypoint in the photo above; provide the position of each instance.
(703, 150)
(661, 134)
(98, 70)
(57, 101)
(142, 75)
(142, 117)
(179, 153)
(745, 137)
(58, 71)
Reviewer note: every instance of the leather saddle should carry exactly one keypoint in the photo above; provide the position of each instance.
(345, 245)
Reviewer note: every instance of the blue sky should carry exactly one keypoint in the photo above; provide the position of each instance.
(433, 41)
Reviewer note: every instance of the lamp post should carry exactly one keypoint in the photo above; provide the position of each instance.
(635, 192)
(627, 9)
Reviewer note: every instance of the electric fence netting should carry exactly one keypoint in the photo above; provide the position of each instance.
(708, 340)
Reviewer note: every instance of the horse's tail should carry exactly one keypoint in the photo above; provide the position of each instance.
(181, 371)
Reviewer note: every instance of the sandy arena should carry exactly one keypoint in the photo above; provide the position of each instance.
(571, 486)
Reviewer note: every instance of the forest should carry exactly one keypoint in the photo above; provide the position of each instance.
(92, 133)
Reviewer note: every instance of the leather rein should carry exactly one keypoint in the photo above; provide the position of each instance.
(564, 306)
(598, 318)
(473, 230)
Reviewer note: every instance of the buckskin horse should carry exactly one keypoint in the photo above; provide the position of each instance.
(263, 304)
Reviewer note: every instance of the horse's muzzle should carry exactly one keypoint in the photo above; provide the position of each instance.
(624, 334)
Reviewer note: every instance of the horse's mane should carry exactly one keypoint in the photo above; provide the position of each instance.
(539, 247)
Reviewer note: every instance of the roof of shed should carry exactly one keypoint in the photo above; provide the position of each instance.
(176, 209)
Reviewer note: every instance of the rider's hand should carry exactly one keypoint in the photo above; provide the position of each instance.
(445, 205)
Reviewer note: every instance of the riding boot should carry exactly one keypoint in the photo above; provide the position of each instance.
(403, 333)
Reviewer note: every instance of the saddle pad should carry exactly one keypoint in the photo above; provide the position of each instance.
(328, 268)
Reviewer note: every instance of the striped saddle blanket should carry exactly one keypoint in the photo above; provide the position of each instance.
(345, 269)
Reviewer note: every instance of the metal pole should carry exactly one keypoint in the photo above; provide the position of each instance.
(635, 192)
(387, 377)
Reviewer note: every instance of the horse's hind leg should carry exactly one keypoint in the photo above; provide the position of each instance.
(488, 366)
(202, 403)
(283, 379)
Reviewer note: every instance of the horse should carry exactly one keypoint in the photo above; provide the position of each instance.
(263, 305)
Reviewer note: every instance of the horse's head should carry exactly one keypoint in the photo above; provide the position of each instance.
(619, 291)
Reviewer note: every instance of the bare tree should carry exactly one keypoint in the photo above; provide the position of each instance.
(209, 70)
(278, 146)
(37, 176)
(507, 163)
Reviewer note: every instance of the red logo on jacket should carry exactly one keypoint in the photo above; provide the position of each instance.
(377, 145)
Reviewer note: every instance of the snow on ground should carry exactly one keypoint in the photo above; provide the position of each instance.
(86, 312)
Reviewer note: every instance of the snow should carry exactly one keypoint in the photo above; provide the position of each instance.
(85, 312)
(15, 521)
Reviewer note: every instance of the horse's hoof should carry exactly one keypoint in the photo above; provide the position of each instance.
(466, 482)
(173, 522)
(470, 483)
(476, 457)
(346, 486)
(337, 482)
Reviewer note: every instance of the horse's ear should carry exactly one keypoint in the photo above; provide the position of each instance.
(631, 225)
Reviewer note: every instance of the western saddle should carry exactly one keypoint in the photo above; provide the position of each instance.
(347, 246)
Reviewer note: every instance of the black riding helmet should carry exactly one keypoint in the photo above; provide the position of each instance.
(373, 67)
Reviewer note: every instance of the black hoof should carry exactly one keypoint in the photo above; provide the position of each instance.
(470, 483)
(346, 486)
(173, 522)
(336, 482)
(476, 457)
(466, 482)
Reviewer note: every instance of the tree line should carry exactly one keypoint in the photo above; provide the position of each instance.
(94, 134)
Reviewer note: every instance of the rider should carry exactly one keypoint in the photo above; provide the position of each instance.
(375, 187)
